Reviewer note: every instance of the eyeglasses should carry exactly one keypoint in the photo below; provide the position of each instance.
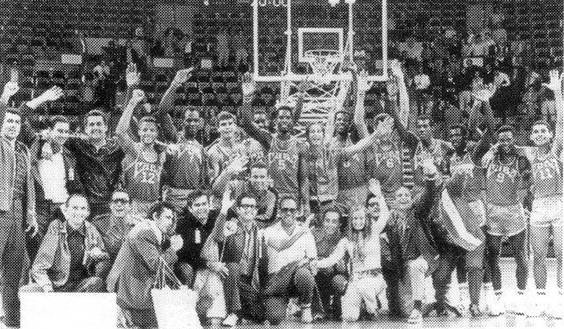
(288, 210)
(259, 121)
(122, 201)
(372, 204)
(248, 206)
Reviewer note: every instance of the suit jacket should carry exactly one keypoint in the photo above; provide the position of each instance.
(396, 252)
(53, 260)
(133, 274)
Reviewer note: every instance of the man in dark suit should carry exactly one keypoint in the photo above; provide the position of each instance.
(134, 271)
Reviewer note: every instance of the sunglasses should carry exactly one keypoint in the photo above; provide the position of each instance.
(372, 204)
(123, 201)
(288, 210)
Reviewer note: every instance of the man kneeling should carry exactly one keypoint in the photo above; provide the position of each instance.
(69, 254)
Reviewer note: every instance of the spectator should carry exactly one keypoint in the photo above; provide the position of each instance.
(222, 48)
(239, 48)
(70, 253)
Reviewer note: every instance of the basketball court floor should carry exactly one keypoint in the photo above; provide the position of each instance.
(503, 321)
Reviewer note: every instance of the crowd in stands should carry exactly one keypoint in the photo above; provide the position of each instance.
(435, 170)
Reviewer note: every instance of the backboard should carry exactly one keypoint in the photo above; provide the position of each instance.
(287, 32)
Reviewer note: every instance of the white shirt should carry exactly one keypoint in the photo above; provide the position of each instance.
(303, 247)
(53, 178)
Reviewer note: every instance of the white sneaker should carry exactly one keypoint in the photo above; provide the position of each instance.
(554, 309)
(231, 320)
(306, 315)
(464, 297)
(415, 317)
(517, 305)
(496, 307)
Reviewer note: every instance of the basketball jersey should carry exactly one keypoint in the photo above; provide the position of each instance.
(547, 175)
(284, 166)
(387, 167)
(323, 179)
(502, 182)
(351, 169)
(474, 175)
(438, 149)
(186, 168)
(222, 155)
(141, 178)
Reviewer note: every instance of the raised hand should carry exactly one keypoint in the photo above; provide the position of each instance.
(132, 77)
(395, 67)
(485, 94)
(182, 75)
(363, 83)
(555, 83)
(227, 201)
(238, 165)
(10, 89)
(137, 96)
(176, 242)
(52, 94)
(248, 84)
(229, 228)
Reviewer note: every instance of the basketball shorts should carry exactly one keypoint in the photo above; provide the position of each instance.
(479, 212)
(547, 211)
(505, 220)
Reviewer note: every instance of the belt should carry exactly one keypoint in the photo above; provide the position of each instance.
(366, 273)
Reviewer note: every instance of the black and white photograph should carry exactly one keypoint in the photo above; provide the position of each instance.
(304, 164)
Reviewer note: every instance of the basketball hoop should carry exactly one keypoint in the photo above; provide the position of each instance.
(322, 61)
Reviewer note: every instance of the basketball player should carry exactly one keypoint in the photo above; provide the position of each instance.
(186, 160)
(286, 155)
(465, 161)
(143, 161)
(387, 163)
(546, 163)
(507, 181)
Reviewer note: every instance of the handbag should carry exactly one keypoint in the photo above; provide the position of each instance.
(174, 303)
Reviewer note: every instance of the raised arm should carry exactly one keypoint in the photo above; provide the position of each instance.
(236, 166)
(10, 89)
(484, 144)
(403, 95)
(359, 109)
(302, 88)
(124, 139)
(27, 134)
(384, 211)
(262, 136)
(167, 103)
(383, 128)
(556, 86)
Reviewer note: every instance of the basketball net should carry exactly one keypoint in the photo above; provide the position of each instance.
(324, 94)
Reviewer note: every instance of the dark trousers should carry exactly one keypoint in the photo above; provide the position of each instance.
(12, 249)
(519, 245)
(45, 214)
(301, 285)
(240, 296)
(331, 284)
(442, 275)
